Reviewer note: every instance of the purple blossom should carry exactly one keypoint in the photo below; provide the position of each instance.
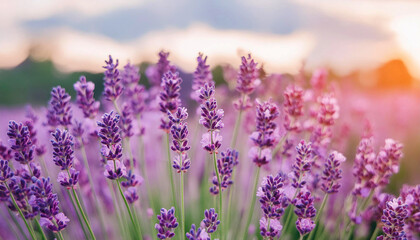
(85, 100)
(63, 154)
(137, 99)
(131, 180)
(126, 123)
(42, 199)
(305, 225)
(155, 73)
(167, 223)
(302, 165)
(197, 234)
(411, 196)
(211, 143)
(5, 152)
(202, 75)
(114, 169)
(393, 218)
(169, 96)
(225, 165)
(248, 76)
(305, 210)
(263, 138)
(387, 162)
(210, 220)
(5, 171)
(130, 75)
(293, 107)
(59, 111)
(364, 168)
(274, 226)
(179, 132)
(21, 142)
(68, 179)
(272, 197)
(110, 136)
(59, 219)
(332, 173)
(20, 189)
(131, 195)
(328, 110)
(112, 80)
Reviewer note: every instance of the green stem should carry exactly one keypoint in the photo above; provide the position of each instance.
(116, 209)
(170, 171)
(182, 204)
(236, 129)
(220, 185)
(317, 217)
(251, 208)
(289, 214)
(82, 212)
(137, 228)
(375, 233)
(60, 235)
(92, 185)
(20, 212)
(301, 237)
(40, 229)
(78, 215)
(116, 107)
(358, 210)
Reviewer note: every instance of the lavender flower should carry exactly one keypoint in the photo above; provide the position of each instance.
(332, 173)
(131, 195)
(293, 107)
(248, 80)
(63, 154)
(302, 164)
(411, 196)
(201, 76)
(388, 161)
(327, 113)
(210, 220)
(270, 227)
(130, 75)
(155, 73)
(305, 210)
(110, 136)
(263, 138)
(137, 99)
(112, 80)
(179, 132)
(197, 234)
(20, 189)
(57, 222)
(167, 223)
(85, 99)
(211, 118)
(68, 179)
(169, 96)
(393, 219)
(5, 152)
(364, 168)
(5, 172)
(21, 142)
(225, 165)
(126, 122)
(59, 111)
(131, 182)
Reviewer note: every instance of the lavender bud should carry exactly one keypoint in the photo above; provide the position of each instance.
(210, 220)
(63, 153)
(169, 96)
(248, 76)
(197, 234)
(393, 218)
(302, 164)
(59, 111)
(201, 76)
(293, 107)
(225, 165)
(112, 80)
(114, 169)
(167, 223)
(110, 136)
(179, 132)
(332, 173)
(85, 99)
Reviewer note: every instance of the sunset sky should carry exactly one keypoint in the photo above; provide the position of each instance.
(344, 35)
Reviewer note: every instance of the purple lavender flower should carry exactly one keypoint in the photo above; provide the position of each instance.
(210, 220)
(179, 132)
(387, 162)
(270, 227)
(130, 75)
(211, 118)
(114, 169)
(364, 168)
(155, 73)
(327, 113)
(5, 152)
(393, 218)
(39, 150)
(112, 80)
(131, 195)
(126, 122)
(131, 182)
(20, 189)
(248, 80)
(225, 165)
(5, 172)
(293, 107)
(137, 99)
(197, 234)
(167, 223)
(263, 138)
(68, 179)
(63, 154)
(332, 173)
(411, 196)
(305, 225)
(110, 136)
(21, 142)
(201, 76)
(302, 164)
(59, 111)
(272, 197)
(169, 96)
(57, 222)
(85, 99)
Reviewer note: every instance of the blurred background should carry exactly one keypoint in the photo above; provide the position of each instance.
(371, 48)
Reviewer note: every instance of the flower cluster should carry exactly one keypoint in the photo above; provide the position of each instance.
(179, 132)
(273, 203)
(332, 173)
(167, 223)
(302, 165)
(126, 122)
(112, 80)
(363, 168)
(169, 96)
(225, 164)
(411, 196)
(388, 161)
(155, 73)
(201, 76)
(59, 110)
(85, 99)
(197, 234)
(210, 220)
(264, 138)
(63, 156)
(248, 80)
(110, 136)
(327, 113)
(21, 142)
(393, 219)
(131, 181)
(293, 107)
(305, 210)
(210, 118)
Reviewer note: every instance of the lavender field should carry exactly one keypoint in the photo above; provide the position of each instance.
(256, 156)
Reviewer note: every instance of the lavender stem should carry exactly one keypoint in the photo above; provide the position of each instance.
(251, 208)
(78, 215)
(324, 201)
(76, 198)
(170, 170)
